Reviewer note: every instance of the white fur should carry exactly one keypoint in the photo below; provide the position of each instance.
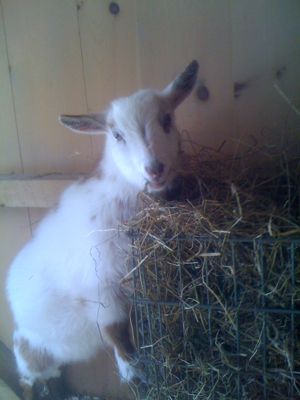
(64, 285)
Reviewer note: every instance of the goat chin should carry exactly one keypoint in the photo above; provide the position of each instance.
(64, 287)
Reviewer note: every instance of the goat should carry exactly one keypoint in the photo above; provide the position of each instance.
(64, 285)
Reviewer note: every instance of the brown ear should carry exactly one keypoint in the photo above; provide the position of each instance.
(182, 85)
(91, 124)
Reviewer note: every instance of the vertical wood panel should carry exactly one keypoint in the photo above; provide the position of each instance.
(173, 32)
(109, 54)
(10, 161)
(46, 70)
(264, 39)
(109, 51)
(250, 67)
(283, 23)
(14, 229)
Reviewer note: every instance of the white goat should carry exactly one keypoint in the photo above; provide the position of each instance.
(64, 286)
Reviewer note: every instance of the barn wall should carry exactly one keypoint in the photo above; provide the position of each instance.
(74, 56)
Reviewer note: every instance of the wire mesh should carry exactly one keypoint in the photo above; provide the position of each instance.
(222, 325)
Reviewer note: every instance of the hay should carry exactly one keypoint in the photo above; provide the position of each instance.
(216, 275)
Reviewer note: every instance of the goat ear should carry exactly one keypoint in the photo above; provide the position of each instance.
(91, 124)
(182, 85)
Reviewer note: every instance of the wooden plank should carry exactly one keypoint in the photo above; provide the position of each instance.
(284, 56)
(31, 192)
(171, 33)
(6, 392)
(14, 228)
(109, 51)
(265, 39)
(10, 161)
(250, 68)
(109, 54)
(47, 78)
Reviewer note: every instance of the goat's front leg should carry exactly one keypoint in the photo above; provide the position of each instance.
(119, 334)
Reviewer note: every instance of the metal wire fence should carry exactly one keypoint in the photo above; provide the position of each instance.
(218, 318)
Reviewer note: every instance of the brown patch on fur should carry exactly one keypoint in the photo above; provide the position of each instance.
(38, 360)
(120, 336)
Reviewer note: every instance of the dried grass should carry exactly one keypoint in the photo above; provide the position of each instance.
(217, 282)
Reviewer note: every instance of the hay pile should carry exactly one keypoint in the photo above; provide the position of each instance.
(217, 284)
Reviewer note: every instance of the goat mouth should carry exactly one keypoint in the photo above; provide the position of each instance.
(156, 185)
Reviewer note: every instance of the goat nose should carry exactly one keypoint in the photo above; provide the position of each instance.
(155, 169)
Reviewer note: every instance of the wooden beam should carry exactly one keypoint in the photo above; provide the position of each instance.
(37, 192)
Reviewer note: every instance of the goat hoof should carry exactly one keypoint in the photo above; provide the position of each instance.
(52, 390)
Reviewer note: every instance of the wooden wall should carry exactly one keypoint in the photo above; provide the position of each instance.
(73, 56)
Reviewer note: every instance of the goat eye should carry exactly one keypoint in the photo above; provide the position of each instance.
(118, 136)
(166, 122)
